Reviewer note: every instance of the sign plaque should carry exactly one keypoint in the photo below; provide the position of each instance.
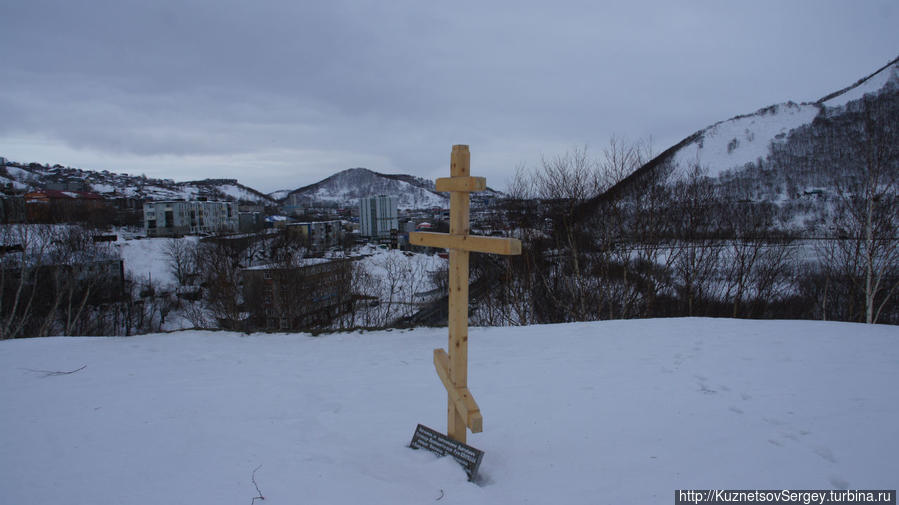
(442, 445)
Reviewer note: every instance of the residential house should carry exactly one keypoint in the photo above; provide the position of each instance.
(309, 295)
(52, 206)
(319, 235)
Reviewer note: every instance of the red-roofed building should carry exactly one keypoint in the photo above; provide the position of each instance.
(52, 206)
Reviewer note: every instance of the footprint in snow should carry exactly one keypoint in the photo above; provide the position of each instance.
(826, 454)
(839, 482)
(706, 390)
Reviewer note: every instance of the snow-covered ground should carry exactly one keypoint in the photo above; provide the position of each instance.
(146, 259)
(401, 276)
(402, 282)
(620, 412)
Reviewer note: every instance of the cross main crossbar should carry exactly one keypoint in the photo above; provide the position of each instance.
(472, 243)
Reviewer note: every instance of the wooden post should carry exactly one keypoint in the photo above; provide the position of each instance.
(460, 166)
(462, 410)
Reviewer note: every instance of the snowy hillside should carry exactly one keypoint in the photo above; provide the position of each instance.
(346, 187)
(34, 176)
(743, 139)
(618, 412)
(231, 189)
(213, 189)
(733, 143)
(888, 76)
(279, 195)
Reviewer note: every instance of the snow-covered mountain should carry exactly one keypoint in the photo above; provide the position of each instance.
(29, 177)
(749, 140)
(280, 194)
(346, 187)
(343, 188)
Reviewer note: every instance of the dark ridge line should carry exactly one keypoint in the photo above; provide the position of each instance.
(644, 171)
(858, 83)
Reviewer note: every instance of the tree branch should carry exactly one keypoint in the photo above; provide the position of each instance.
(258, 492)
(52, 373)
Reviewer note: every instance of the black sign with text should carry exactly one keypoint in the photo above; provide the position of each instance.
(442, 445)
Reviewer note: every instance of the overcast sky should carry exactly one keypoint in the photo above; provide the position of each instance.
(282, 93)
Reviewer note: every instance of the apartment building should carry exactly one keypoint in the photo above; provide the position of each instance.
(176, 218)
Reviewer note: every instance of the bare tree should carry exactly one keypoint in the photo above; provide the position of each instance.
(620, 158)
(571, 268)
(59, 281)
(697, 252)
(521, 186)
(20, 276)
(866, 249)
(181, 256)
(219, 262)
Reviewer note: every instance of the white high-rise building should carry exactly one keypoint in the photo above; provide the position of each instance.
(377, 216)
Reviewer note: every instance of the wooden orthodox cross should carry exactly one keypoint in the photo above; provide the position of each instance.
(462, 410)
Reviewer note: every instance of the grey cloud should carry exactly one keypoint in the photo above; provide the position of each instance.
(397, 83)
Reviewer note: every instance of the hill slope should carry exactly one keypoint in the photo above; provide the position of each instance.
(346, 187)
(32, 177)
(747, 141)
(611, 412)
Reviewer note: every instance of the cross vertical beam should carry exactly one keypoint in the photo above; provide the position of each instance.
(460, 201)
(462, 410)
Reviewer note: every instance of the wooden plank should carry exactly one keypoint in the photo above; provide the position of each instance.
(473, 243)
(458, 332)
(465, 184)
(461, 398)
(474, 419)
(460, 161)
(460, 164)
(458, 317)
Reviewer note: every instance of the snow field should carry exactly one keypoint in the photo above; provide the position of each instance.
(146, 259)
(610, 412)
(736, 142)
